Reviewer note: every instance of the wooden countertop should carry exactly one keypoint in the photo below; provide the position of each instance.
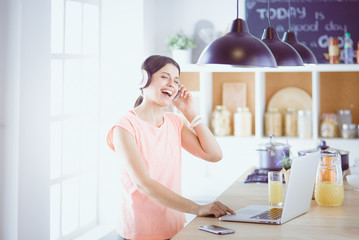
(319, 223)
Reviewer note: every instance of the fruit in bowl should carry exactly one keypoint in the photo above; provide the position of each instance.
(353, 180)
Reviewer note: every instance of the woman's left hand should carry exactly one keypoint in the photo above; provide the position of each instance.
(184, 103)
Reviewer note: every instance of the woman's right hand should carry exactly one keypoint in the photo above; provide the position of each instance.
(216, 209)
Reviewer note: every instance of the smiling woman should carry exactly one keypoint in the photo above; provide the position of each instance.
(148, 142)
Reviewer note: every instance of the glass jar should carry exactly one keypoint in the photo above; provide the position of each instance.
(273, 122)
(334, 51)
(329, 189)
(243, 122)
(344, 117)
(328, 127)
(348, 131)
(290, 122)
(304, 124)
(221, 121)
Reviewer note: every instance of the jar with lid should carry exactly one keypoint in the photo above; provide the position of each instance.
(243, 122)
(304, 124)
(344, 117)
(348, 130)
(328, 127)
(273, 122)
(221, 121)
(290, 122)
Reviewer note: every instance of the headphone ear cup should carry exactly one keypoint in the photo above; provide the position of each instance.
(146, 79)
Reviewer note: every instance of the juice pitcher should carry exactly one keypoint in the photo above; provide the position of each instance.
(329, 189)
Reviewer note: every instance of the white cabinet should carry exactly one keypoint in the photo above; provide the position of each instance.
(332, 87)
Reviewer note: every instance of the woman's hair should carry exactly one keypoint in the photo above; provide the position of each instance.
(153, 64)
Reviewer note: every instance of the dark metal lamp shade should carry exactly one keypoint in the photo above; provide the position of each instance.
(305, 53)
(238, 47)
(284, 54)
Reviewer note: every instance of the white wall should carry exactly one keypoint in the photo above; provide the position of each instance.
(122, 56)
(25, 121)
(163, 18)
(9, 93)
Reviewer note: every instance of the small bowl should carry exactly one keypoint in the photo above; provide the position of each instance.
(353, 180)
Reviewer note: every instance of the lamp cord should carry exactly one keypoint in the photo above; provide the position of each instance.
(237, 8)
(268, 15)
(289, 15)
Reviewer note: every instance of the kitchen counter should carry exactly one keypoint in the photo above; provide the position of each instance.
(319, 223)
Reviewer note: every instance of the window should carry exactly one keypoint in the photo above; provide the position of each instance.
(75, 93)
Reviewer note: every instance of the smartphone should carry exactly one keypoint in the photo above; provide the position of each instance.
(177, 95)
(216, 229)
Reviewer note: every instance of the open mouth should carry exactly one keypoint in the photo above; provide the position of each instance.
(167, 92)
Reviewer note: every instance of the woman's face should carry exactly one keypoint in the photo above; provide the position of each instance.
(164, 85)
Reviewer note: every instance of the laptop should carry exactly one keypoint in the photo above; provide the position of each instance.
(297, 200)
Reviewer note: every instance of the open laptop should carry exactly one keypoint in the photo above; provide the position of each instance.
(297, 200)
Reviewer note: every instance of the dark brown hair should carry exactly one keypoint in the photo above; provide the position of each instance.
(153, 64)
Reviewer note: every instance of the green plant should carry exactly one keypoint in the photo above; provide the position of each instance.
(180, 41)
(286, 162)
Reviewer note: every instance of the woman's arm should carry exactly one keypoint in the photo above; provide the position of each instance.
(132, 161)
(202, 144)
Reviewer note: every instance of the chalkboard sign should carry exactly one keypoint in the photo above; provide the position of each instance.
(314, 22)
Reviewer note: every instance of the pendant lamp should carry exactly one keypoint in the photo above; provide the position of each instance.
(305, 53)
(284, 54)
(238, 47)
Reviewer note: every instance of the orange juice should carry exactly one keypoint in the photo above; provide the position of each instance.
(275, 192)
(329, 193)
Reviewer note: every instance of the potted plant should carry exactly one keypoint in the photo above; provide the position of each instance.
(286, 163)
(181, 47)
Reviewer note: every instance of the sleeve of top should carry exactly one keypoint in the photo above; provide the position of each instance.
(124, 123)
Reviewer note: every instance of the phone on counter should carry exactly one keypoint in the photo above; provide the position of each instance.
(216, 229)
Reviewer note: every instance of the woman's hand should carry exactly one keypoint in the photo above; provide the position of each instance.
(185, 102)
(216, 209)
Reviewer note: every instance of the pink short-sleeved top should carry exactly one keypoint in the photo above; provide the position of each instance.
(140, 217)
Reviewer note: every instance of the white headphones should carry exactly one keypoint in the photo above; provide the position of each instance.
(146, 79)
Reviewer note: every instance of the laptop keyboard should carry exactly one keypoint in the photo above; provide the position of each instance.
(271, 214)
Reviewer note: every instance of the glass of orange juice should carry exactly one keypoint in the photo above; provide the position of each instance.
(329, 189)
(275, 188)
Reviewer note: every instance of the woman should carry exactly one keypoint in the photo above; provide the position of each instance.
(148, 141)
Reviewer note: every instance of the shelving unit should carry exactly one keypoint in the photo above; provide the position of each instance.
(332, 87)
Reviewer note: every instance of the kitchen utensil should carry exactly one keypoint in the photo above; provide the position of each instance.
(344, 159)
(271, 153)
